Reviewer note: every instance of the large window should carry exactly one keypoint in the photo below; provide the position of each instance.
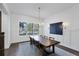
(22, 28)
(29, 29)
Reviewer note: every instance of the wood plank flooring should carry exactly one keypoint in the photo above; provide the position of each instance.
(25, 49)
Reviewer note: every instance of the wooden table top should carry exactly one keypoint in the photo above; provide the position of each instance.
(44, 41)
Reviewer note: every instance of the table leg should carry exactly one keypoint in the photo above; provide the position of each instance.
(31, 41)
(53, 47)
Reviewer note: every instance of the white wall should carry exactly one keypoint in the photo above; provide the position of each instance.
(5, 22)
(6, 29)
(15, 19)
(70, 36)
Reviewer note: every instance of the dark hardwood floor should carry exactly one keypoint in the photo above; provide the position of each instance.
(69, 50)
(25, 49)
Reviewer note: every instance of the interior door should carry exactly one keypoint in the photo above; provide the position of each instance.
(0, 21)
(1, 39)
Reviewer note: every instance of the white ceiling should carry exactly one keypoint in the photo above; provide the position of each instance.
(31, 9)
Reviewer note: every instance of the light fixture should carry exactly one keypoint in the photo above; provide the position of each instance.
(39, 14)
(65, 25)
(40, 22)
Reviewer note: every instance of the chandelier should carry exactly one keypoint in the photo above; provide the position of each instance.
(39, 14)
